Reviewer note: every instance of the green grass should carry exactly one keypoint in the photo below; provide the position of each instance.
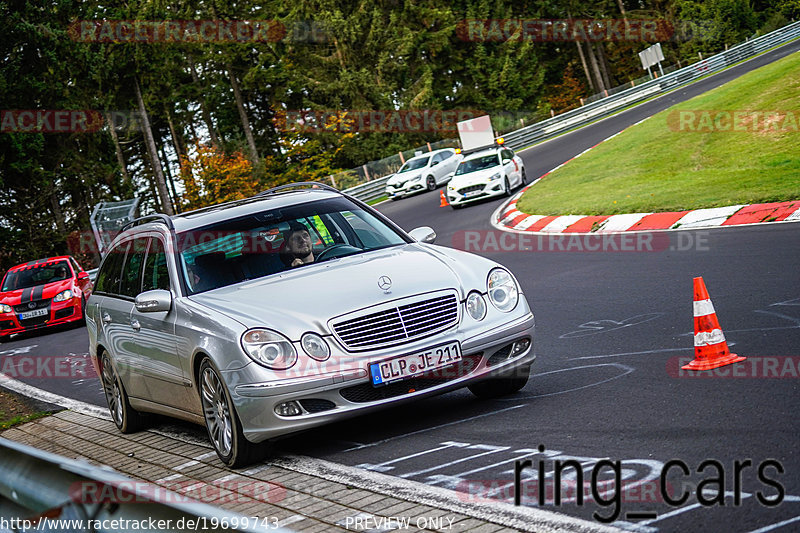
(5, 424)
(658, 166)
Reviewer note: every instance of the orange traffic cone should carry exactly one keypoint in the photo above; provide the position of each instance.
(710, 348)
(443, 200)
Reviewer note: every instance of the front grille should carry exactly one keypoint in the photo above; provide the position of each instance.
(471, 188)
(398, 324)
(399, 185)
(38, 304)
(367, 393)
(317, 405)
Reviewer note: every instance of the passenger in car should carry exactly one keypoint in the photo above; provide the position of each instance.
(296, 246)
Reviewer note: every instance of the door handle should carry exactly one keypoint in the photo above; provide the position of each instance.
(135, 324)
(106, 318)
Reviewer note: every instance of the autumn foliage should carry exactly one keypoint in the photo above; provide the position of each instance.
(211, 176)
(567, 94)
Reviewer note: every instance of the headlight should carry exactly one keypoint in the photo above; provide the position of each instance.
(315, 346)
(63, 296)
(476, 305)
(269, 348)
(495, 177)
(502, 289)
(6, 308)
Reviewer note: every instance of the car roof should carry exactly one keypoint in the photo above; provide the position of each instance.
(238, 208)
(37, 262)
(483, 153)
(429, 154)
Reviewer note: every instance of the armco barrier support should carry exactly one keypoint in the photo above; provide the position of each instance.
(34, 482)
(581, 116)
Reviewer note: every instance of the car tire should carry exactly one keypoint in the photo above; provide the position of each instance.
(126, 418)
(430, 183)
(83, 309)
(501, 386)
(523, 178)
(507, 191)
(4, 338)
(222, 423)
(456, 206)
(394, 198)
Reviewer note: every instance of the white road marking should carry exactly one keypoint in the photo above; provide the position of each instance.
(645, 352)
(491, 450)
(383, 467)
(627, 370)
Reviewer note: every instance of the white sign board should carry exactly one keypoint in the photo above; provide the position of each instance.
(651, 56)
(476, 133)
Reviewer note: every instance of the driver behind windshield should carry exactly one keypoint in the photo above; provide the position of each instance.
(296, 246)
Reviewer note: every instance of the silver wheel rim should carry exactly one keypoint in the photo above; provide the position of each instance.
(216, 412)
(113, 393)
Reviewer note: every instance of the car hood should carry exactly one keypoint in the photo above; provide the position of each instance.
(305, 299)
(39, 292)
(402, 178)
(480, 176)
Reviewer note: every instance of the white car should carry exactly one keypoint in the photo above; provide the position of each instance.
(423, 172)
(488, 172)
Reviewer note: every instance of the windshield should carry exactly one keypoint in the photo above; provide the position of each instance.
(36, 275)
(479, 163)
(414, 164)
(278, 240)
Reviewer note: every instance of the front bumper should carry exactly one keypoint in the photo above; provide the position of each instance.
(475, 192)
(58, 313)
(409, 187)
(338, 394)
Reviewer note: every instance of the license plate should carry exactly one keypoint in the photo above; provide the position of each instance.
(407, 366)
(33, 314)
(471, 194)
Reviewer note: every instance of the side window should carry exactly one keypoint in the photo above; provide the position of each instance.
(108, 277)
(446, 155)
(508, 154)
(156, 275)
(131, 283)
(437, 159)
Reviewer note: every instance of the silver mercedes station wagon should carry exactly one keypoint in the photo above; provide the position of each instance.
(292, 309)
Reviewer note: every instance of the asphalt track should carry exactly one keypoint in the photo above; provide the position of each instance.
(611, 327)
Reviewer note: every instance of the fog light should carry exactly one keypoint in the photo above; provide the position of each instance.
(288, 409)
(520, 346)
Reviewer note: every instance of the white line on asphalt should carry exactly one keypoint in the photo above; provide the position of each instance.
(382, 467)
(491, 450)
(633, 353)
(776, 526)
(627, 370)
(67, 403)
(470, 419)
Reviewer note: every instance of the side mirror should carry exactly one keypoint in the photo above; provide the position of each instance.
(423, 234)
(83, 275)
(434, 163)
(506, 161)
(154, 301)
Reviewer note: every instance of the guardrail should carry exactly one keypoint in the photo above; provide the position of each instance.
(582, 116)
(43, 491)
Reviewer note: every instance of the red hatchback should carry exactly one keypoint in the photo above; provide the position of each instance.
(42, 293)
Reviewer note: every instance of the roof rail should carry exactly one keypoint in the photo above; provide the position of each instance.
(158, 217)
(310, 184)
